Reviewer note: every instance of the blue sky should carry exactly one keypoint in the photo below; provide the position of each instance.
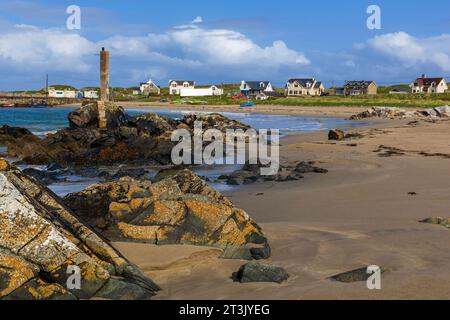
(230, 41)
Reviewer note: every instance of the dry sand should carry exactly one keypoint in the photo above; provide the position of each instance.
(268, 109)
(358, 214)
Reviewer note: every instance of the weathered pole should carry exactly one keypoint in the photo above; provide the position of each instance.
(104, 75)
(104, 88)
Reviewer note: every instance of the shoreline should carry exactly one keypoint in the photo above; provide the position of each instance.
(360, 213)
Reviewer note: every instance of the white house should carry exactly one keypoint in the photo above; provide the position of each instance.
(175, 86)
(253, 88)
(53, 93)
(201, 92)
(309, 87)
(90, 94)
(149, 88)
(429, 85)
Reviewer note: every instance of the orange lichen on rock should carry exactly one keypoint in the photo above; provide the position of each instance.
(179, 209)
(4, 165)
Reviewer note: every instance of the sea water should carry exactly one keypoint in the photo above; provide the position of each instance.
(43, 121)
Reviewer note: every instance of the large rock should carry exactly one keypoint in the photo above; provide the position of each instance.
(257, 272)
(141, 139)
(40, 239)
(87, 116)
(180, 209)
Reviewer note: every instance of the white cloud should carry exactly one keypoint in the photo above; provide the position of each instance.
(228, 47)
(30, 47)
(197, 20)
(411, 51)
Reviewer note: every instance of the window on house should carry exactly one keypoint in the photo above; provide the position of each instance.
(290, 91)
(261, 84)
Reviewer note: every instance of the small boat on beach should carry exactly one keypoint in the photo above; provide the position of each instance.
(247, 104)
(40, 105)
(7, 105)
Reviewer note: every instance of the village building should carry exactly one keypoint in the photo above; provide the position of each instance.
(356, 88)
(254, 88)
(68, 94)
(201, 92)
(90, 94)
(309, 87)
(429, 85)
(149, 88)
(175, 86)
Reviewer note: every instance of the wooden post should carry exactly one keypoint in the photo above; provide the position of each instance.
(104, 75)
(104, 88)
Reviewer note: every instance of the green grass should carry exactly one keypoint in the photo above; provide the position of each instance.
(381, 100)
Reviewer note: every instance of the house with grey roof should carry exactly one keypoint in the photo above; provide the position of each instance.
(363, 87)
(175, 86)
(308, 87)
(255, 88)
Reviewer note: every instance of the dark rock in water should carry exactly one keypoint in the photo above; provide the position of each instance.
(14, 131)
(336, 135)
(357, 275)
(44, 177)
(179, 209)
(142, 139)
(54, 167)
(41, 239)
(136, 173)
(257, 272)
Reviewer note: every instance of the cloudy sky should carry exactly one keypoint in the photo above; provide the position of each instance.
(222, 41)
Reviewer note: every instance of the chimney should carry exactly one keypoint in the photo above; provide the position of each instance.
(423, 76)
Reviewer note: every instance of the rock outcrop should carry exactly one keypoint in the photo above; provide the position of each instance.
(142, 139)
(179, 209)
(397, 113)
(252, 173)
(42, 243)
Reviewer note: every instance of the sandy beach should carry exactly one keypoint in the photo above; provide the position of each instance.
(263, 109)
(361, 213)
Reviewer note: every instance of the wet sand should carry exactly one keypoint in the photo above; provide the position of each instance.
(358, 214)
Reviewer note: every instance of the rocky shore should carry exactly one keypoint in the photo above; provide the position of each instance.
(142, 139)
(41, 239)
